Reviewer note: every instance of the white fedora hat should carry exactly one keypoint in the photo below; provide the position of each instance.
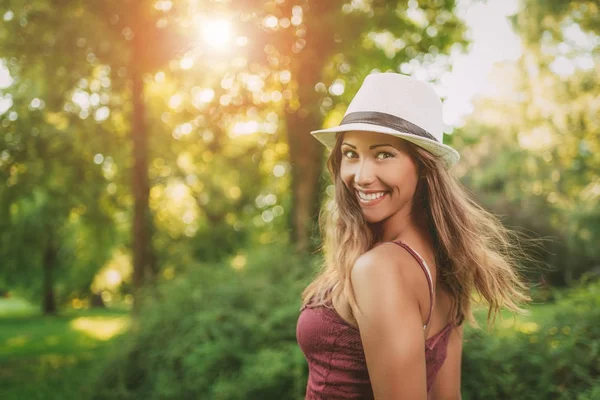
(396, 105)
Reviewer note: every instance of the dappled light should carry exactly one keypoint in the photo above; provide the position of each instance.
(100, 328)
(238, 262)
(17, 341)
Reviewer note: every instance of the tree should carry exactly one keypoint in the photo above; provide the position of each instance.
(294, 68)
(113, 34)
(53, 198)
(536, 154)
(325, 49)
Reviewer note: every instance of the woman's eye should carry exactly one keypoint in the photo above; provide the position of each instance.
(386, 154)
(381, 155)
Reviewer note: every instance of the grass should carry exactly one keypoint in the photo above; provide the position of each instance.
(43, 357)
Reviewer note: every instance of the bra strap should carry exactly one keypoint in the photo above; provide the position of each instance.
(425, 268)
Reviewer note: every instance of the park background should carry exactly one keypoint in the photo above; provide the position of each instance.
(159, 187)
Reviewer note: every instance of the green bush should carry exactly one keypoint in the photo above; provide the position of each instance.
(558, 358)
(217, 332)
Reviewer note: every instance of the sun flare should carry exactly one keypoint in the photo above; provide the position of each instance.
(216, 33)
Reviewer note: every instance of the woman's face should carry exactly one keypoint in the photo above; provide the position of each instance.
(379, 171)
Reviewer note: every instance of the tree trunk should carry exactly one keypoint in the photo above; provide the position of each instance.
(48, 265)
(143, 255)
(96, 301)
(306, 153)
(306, 157)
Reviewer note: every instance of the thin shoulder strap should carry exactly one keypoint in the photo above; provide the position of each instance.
(427, 272)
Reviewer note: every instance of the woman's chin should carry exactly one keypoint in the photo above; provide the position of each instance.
(373, 218)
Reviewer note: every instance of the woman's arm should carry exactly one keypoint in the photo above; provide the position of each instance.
(447, 381)
(386, 283)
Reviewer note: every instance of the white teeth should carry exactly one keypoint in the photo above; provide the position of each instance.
(370, 196)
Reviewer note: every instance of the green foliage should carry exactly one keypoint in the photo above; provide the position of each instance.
(217, 332)
(54, 200)
(211, 189)
(221, 333)
(554, 358)
(531, 151)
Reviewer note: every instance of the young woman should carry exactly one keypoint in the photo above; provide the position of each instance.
(405, 248)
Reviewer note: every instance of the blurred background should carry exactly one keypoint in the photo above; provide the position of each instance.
(159, 187)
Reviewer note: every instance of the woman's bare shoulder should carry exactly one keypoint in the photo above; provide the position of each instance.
(391, 260)
(389, 267)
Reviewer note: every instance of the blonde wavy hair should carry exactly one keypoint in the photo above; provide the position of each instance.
(474, 252)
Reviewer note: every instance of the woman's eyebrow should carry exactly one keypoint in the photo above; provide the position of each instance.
(372, 146)
(381, 145)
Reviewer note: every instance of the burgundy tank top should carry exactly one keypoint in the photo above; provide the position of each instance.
(333, 349)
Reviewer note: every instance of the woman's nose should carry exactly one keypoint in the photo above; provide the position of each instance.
(365, 173)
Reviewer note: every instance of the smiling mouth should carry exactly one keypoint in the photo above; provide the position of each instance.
(370, 199)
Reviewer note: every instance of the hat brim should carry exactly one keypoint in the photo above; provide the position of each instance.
(447, 154)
